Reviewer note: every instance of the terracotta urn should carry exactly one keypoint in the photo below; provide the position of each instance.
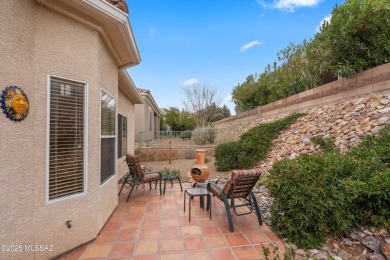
(200, 172)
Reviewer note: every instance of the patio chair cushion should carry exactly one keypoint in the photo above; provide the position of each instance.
(214, 190)
(227, 189)
(151, 177)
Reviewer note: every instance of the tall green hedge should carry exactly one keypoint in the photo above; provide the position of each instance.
(252, 147)
(317, 195)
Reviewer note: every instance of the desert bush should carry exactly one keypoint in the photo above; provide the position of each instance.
(203, 135)
(331, 193)
(252, 147)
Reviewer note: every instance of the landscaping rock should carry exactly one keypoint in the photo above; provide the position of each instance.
(375, 256)
(300, 252)
(343, 254)
(321, 255)
(385, 247)
(360, 250)
(372, 243)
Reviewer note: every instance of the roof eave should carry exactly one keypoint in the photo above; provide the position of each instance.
(110, 22)
(127, 86)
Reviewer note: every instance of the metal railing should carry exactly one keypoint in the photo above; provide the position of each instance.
(176, 139)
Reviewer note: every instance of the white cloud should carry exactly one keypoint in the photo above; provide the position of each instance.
(190, 82)
(228, 98)
(263, 3)
(249, 45)
(288, 5)
(326, 19)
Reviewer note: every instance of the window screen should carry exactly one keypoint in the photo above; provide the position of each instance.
(107, 153)
(122, 135)
(66, 138)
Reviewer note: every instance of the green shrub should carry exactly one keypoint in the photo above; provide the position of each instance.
(252, 147)
(173, 172)
(227, 156)
(186, 134)
(316, 195)
(326, 143)
(203, 135)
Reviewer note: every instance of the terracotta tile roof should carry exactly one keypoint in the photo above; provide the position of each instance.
(143, 90)
(120, 4)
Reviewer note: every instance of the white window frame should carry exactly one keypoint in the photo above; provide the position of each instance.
(150, 119)
(108, 136)
(127, 130)
(48, 201)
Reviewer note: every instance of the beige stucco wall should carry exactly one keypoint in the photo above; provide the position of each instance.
(16, 139)
(142, 119)
(35, 43)
(126, 108)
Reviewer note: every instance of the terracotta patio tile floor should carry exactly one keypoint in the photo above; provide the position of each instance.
(156, 227)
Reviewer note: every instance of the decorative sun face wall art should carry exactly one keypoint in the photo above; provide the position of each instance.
(14, 103)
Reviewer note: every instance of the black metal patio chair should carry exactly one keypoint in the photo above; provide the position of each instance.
(239, 186)
(138, 176)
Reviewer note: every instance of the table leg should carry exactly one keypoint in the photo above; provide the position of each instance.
(189, 205)
(209, 203)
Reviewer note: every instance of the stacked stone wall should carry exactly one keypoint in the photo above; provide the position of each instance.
(345, 124)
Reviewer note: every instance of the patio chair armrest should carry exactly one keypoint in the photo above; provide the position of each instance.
(146, 169)
(215, 185)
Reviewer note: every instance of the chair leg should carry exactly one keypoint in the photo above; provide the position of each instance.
(160, 186)
(180, 184)
(256, 208)
(229, 215)
(123, 184)
(132, 187)
(155, 186)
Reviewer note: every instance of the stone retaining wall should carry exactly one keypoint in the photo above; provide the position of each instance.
(372, 82)
(345, 123)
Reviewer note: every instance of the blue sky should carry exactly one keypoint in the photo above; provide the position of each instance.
(215, 42)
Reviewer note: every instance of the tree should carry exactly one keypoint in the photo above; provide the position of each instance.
(217, 113)
(201, 101)
(179, 120)
(356, 38)
(244, 94)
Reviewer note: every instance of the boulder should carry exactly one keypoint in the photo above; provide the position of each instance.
(372, 243)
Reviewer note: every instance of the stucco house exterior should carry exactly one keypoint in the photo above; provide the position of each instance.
(60, 165)
(147, 117)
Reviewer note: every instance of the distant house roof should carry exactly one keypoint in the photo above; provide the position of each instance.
(145, 94)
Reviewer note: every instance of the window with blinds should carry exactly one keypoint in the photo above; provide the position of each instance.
(107, 152)
(122, 135)
(66, 138)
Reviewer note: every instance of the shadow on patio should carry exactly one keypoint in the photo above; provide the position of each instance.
(151, 226)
